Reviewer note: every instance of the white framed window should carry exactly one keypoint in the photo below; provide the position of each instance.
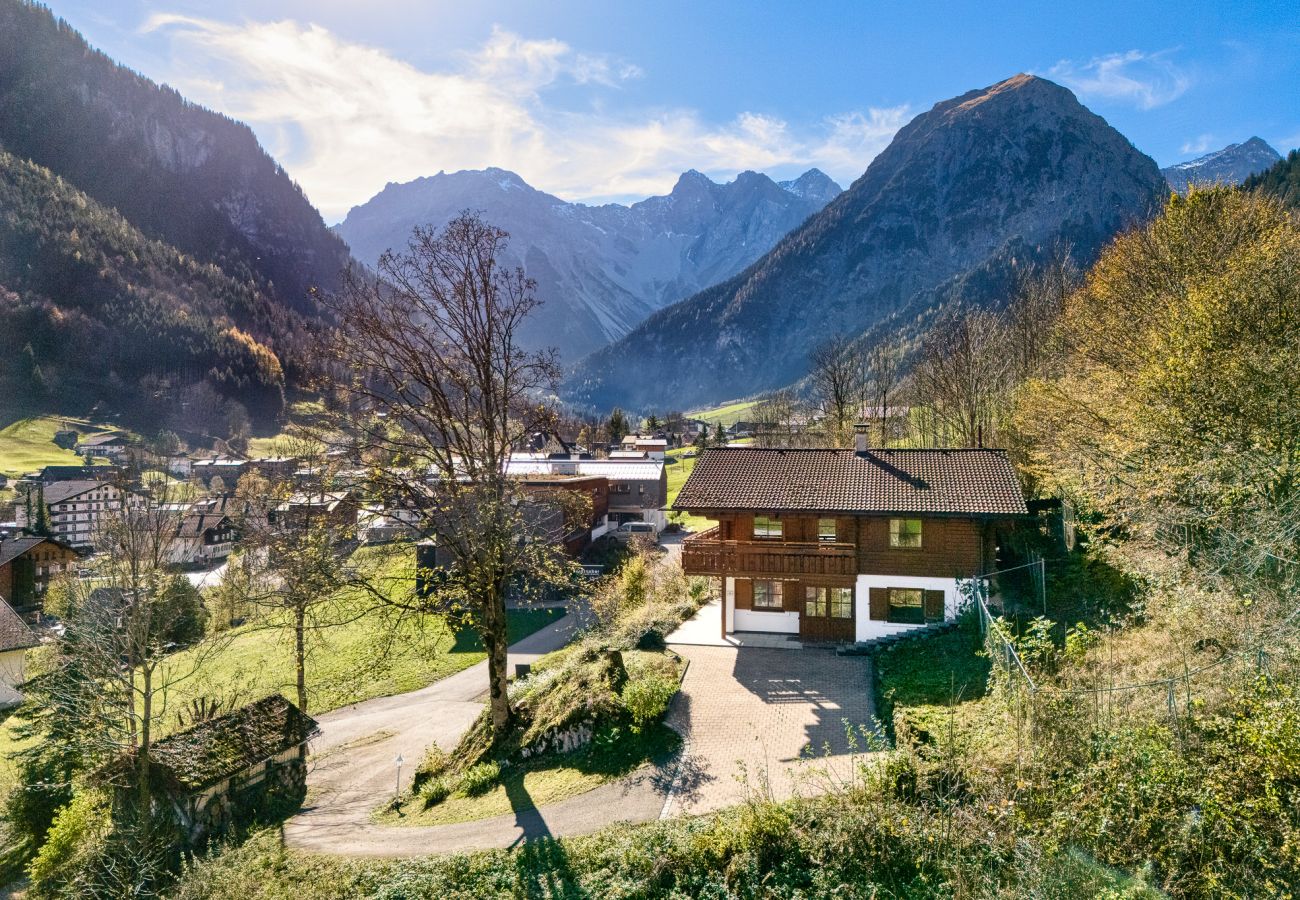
(768, 528)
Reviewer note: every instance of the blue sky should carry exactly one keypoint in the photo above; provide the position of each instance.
(611, 100)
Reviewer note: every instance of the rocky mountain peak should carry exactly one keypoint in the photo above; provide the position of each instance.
(963, 194)
(1231, 165)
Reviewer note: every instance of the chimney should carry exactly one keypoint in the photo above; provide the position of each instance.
(860, 437)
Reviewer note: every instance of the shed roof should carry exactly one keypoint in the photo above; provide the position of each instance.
(14, 633)
(212, 751)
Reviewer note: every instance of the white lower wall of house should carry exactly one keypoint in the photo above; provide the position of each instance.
(11, 668)
(750, 620)
(774, 622)
(601, 529)
(868, 628)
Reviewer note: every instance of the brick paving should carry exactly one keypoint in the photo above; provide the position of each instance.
(750, 715)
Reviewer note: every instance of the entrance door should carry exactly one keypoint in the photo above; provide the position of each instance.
(827, 613)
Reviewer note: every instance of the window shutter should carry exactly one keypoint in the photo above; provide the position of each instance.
(879, 601)
(934, 606)
(744, 593)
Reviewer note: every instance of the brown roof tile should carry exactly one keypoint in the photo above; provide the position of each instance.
(14, 633)
(938, 482)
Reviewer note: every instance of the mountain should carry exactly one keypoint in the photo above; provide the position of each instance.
(1231, 165)
(180, 173)
(600, 269)
(92, 310)
(963, 194)
(1281, 180)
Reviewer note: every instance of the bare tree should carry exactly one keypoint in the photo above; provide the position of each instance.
(836, 378)
(880, 388)
(781, 419)
(1035, 309)
(963, 375)
(112, 671)
(427, 355)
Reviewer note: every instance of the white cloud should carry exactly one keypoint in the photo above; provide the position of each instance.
(1145, 80)
(1202, 143)
(346, 118)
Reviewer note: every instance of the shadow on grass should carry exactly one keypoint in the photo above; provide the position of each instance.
(542, 863)
(519, 624)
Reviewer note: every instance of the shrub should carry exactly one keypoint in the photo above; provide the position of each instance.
(480, 778)
(77, 836)
(646, 699)
(435, 790)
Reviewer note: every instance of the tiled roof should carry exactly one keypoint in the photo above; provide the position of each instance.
(66, 490)
(939, 482)
(12, 548)
(14, 633)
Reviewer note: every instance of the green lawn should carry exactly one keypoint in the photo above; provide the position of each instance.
(728, 415)
(28, 444)
(926, 676)
(678, 466)
(373, 656)
(554, 778)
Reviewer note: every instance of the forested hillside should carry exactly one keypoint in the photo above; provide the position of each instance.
(178, 172)
(92, 310)
(1281, 181)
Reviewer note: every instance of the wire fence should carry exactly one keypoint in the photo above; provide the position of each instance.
(1093, 698)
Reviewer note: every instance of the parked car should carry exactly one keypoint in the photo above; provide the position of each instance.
(629, 530)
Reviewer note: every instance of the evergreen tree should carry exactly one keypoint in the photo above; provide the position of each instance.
(702, 439)
(617, 425)
(42, 524)
(720, 435)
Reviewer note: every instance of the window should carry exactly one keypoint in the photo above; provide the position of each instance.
(905, 533)
(835, 602)
(768, 527)
(826, 533)
(906, 606)
(767, 595)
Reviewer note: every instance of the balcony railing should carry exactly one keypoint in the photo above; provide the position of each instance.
(707, 554)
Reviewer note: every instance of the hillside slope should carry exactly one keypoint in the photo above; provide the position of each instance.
(1281, 181)
(601, 270)
(180, 173)
(964, 193)
(92, 310)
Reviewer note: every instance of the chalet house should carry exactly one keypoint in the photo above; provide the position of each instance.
(227, 469)
(27, 565)
(202, 538)
(381, 525)
(337, 509)
(638, 488)
(230, 767)
(15, 640)
(594, 489)
(51, 474)
(78, 508)
(112, 444)
(653, 447)
(847, 545)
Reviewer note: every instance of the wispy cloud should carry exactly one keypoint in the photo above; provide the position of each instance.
(1200, 144)
(346, 118)
(1145, 80)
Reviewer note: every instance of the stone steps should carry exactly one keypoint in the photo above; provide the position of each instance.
(867, 648)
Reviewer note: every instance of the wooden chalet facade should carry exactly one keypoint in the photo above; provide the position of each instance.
(844, 545)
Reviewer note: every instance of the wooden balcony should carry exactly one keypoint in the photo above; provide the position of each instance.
(706, 554)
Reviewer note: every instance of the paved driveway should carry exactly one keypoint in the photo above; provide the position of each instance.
(751, 715)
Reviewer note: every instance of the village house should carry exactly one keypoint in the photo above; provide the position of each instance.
(652, 446)
(638, 487)
(593, 494)
(27, 566)
(77, 509)
(230, 767)
(336, 509)
(112, 444)
(202, 538)
(847, 545)
(15, 640)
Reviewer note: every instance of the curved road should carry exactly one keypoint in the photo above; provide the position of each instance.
(352, 771)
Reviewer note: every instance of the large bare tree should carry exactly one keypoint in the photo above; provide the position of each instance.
(836, 375)
(437, 392)
(963, 375)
